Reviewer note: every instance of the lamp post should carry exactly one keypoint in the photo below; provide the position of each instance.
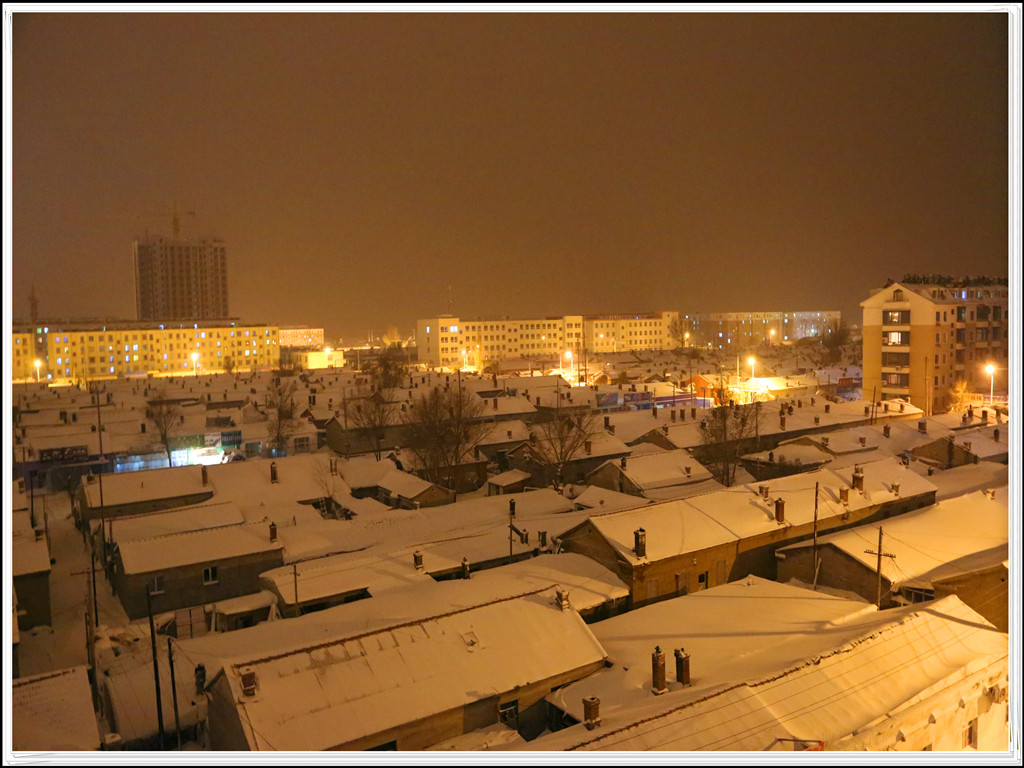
(991, 371)
(686, 339)
(463, 359)
(568, 356)
(195, 362)
(327, 353)
(37, 364)
(752, 362)
(771, 338)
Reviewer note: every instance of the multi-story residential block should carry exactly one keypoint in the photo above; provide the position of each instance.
(924, 334)
(722, 330)
(449, 341)
(79, 350)
(300, 336)
(180, 279)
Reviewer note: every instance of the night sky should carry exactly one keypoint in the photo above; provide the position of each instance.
(539, 164)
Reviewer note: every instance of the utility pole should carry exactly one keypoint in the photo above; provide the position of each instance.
(878, 567)
(174, 691)
(814, 585)
(156, 668)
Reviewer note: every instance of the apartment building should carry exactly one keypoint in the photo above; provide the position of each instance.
(923, 335)
(723, 330)
(178, 279)
(76, 350)
(450, 341)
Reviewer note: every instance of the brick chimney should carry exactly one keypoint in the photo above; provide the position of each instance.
(886, 430)
(858, 477)
(682, 666)
(588, 447)
(658, 686)
(273, 531)
(640, 542)
(417, 560)
(844, 495)
(562, 598)
(922, 426)
(273, 471)
(206, 477)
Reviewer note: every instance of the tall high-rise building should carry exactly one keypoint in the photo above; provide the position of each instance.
(180, 279)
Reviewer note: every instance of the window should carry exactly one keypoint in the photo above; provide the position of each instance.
(971, 735)
(896, 317)
(210, 575)
(156, 585)
(508, 713)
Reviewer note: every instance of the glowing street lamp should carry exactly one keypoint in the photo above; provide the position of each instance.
(989, 369)
(751, 362)
(771, 337)
(568, 357)
(195, 362)
(464, 362)
(686, 339)
(327, 354)
(37, 364)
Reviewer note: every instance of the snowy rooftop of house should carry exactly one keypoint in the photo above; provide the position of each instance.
(511, 477)
(957, 481)
(499, 432)
(404, 484)
(207, 546)
(333, 692)
(952, 537)
(364, 471)
(759, 675)
(700, 522)
(983, 443)
(793, 453)
(199, 517)
(29, 553)
(146, 485)
(661, 470)
(53, 712)
(603, 500)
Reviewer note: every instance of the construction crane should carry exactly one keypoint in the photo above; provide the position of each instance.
(175, 219)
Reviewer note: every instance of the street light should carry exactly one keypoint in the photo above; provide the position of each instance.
(195, 362)
(686, 339)
(464, 363)
(37, 364)
(989, 369)
(751, 361)
(771, 337)
(327, 354)
(568, 356)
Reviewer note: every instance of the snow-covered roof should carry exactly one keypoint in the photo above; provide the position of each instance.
(983, 441)
(511, 477)
(53, 712)
(661, 470)
(603, 500)
(699, 522)
(354, 686)
(30, 553)
(806, 669)
(403, 484)
(146, 485)
(205, 546)
(199, 517)
(949, 538)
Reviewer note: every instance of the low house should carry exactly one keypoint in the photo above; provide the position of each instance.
(112, 496)
(406, 686)
(195, 568)
(786, 459)
(723, 671)
(30, 568)
(52, 712)
(546, 457)
(512, 481)
(962, 540)
(676, 547)
(661, 475)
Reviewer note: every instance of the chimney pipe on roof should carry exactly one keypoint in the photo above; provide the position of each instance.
(991, 493)
(40, 534)
(858, 477)
(673, 414)
(682, 666)
(782, 422)
(417, 560)
(622, 462)
(658, 686)
(828, 407)
(995, 434)
(465, 568)
(495, 403)
(686, 469)
(844, 495)
(863, 441)
(885, 407)
(563, 599)
(273, 531)
(591, 712)
(817, 420)
(693, 413)
(273, 471)
(588, 447)
(896, 489)
(902, 407)
(654, 411)
(640, 542)
(607, 421)
(886, 430)
(867, 410)
(206, 477)
(780, 510)
(922, 426)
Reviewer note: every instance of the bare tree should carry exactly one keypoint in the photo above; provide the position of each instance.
(280, 410)
(959, 396)
(371, 415)
(837, 336)
(328, 478)
(442, 427)
(228, 365)
(678, 331)
(165, 416)
(560, 440)
(723, 433)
